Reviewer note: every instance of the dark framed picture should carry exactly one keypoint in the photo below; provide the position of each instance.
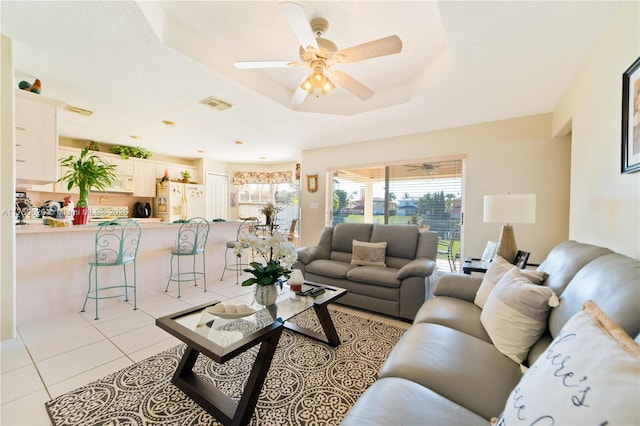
(631, 118)
(521, 259)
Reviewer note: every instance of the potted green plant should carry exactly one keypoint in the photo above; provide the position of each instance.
(87, 172)
(185, 175)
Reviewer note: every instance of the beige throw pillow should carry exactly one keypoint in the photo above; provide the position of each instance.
(516, 313)
(368, 254)
(498, 267)
(588, 375)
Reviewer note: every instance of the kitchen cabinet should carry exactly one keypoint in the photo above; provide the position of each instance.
(175, 170)
(124, 166)
(64, 152)
(144, 178)
(36, 136)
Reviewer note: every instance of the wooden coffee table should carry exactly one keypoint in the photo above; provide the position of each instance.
(222, 339)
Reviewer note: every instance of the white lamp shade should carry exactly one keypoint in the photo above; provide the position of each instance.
(508, 208)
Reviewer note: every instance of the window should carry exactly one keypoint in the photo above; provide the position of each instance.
(428, 194)
(252, 196)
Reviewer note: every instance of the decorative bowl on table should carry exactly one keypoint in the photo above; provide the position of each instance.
(230, 311)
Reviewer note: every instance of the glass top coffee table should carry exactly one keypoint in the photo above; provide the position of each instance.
(222, 339)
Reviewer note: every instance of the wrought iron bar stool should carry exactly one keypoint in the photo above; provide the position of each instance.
(248, 225)
(192, 240)
(116, 244)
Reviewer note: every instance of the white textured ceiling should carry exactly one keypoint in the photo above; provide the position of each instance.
(137, 63)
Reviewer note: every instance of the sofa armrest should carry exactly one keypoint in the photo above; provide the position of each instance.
(308, 254)
(459, 286)
(420, 267)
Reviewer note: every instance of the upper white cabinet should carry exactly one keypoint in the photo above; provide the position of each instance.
(36, 137)
(144, 178)
(175, 170)
(124, 166)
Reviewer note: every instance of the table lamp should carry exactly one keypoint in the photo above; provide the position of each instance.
(508, 209)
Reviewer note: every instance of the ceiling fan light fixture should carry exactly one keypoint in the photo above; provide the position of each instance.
(317, 82)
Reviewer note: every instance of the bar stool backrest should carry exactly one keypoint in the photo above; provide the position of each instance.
(248, 226)
(117, 242)
(192, 236)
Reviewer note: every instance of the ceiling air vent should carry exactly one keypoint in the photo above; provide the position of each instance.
(77, 110)
(216, 104)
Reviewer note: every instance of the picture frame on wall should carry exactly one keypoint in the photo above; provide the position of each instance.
(631, 119)
(312, 183)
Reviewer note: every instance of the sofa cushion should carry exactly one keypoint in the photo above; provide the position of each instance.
(498, 267)
(395, 401)
(565, 259)
(462, 368)
(516, 314)
(345, 233)
(588, 375)
(612, 282)
(401, 240)
(375, 275)
(366, 253)
(329, 268)
(452, 312)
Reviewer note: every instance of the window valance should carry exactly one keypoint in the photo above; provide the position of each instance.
(241, 178)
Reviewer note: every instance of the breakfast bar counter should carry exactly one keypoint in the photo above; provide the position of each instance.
(52, 264)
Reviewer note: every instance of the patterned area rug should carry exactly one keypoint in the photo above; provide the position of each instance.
(309, 383)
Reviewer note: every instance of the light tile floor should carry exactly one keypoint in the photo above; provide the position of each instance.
(63, 353)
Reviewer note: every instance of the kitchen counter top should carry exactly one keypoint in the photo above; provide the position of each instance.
(37, 226)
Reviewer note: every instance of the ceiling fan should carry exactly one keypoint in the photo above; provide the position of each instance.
(424, 167)
(321, 54)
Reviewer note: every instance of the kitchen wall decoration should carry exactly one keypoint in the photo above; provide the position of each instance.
(312, 183)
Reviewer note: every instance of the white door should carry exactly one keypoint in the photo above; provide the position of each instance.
(217, 196)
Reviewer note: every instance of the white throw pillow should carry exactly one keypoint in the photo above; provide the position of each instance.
(498, 267)
(589, 375)
(371, 254)
(516, 313)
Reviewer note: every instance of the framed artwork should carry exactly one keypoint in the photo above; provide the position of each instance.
(631, 119)
(312, 183)
(521, 259)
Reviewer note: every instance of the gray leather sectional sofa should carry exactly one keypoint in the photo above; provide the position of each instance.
(397, 288)
(445, 369)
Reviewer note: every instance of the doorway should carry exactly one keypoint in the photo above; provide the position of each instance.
(217, 196)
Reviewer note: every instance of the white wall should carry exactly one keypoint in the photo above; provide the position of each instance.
(605, 204)
(517, 156)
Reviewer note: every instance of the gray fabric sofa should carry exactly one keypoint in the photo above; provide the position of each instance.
(445, 369)
(398, 289)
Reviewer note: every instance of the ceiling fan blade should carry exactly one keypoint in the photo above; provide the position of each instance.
(247, 65)
(299, 24)
(352, 85)
(373, 49)
(299, 96)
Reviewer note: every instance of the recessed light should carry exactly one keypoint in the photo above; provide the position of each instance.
(263, 158)
(201, 151)
(239, 142)
(168, 123)
(77, 110)
(135, 137)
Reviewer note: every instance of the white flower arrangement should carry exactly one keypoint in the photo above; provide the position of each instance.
(277, 252)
